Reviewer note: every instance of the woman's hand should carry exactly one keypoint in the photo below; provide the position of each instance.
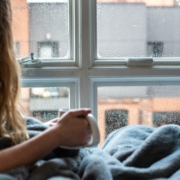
(74, 128)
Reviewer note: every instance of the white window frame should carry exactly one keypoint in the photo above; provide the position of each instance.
(72, 84)
(86, 72)
(127, 81)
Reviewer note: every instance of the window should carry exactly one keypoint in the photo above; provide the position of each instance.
(48, 50)
(49, 28)
(85, 46)
(125, 27)
(155, 49)
(125, 104)
(43, 101)
(161, 118)
(115, 119)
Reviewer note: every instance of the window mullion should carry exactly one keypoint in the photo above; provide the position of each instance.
(75, 31)
(85, 53)
(92, 31)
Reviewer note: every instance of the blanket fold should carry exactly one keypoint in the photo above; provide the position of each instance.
(155, 153)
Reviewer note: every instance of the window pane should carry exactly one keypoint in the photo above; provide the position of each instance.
(126, 105)
(43, 103)
(138, 28)
(41, 27)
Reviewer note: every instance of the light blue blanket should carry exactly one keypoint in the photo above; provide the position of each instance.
(131, 153)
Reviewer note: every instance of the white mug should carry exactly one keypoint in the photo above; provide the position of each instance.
(95, 138)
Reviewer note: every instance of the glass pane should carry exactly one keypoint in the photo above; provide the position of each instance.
(41, 27)
(138, 28)
(126, 105)
(43, 103)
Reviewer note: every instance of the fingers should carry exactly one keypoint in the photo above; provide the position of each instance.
(78, 112)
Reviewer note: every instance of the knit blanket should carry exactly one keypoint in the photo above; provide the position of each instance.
(134, 152)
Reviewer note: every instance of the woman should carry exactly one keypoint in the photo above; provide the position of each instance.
(70, 130)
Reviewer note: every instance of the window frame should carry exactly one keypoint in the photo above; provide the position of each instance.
(87, 71)
(113, 62)
(72, 84)
(127, 81)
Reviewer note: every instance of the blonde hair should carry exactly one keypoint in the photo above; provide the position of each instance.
(12, 124)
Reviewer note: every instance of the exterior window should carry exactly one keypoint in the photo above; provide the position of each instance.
(162, 118)
(48, 49)
(155, 49)
(115, 119)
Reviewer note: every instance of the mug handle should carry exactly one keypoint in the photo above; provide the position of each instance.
(95, 138)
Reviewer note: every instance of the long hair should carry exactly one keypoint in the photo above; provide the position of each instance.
(12, 124)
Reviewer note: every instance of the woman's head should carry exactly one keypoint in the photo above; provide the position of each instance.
(10, 119)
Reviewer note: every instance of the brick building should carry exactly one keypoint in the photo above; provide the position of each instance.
(20, 27)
